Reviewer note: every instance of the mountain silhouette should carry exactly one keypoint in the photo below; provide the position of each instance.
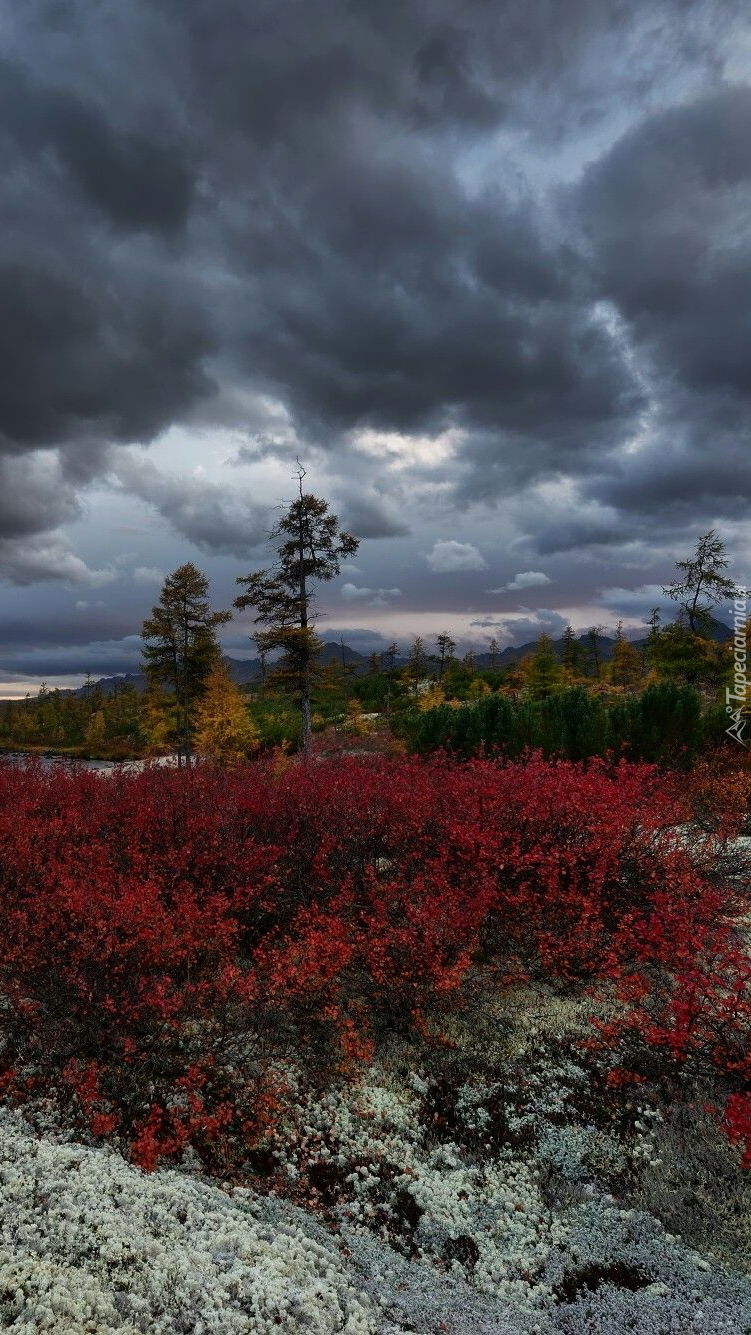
(246, 670)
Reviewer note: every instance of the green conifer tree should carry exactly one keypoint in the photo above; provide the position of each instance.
(180, 644)
(311, 548)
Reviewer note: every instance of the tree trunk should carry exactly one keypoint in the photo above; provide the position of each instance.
(692, 615)
(307, 726)
(186, 707)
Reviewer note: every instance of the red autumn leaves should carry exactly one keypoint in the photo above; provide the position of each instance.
(174, 942)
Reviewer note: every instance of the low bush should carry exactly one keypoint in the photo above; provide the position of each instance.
(181, 948)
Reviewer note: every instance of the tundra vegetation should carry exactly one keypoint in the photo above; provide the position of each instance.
(462, 1045)
(442, 1024)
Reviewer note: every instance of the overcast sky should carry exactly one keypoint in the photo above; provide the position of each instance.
(483, 265)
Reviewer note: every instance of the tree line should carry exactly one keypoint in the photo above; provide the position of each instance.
(182, 653)
(190, 702)
(192, 706)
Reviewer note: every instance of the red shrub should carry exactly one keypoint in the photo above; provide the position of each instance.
(738, 1123)
(171, 937)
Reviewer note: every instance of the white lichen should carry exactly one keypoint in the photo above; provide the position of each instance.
(90, 1244)
(466, 1200)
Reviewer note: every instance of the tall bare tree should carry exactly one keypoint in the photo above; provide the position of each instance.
(311, 546)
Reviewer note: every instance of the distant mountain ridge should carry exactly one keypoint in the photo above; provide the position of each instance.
(241, 670)
(245, 670)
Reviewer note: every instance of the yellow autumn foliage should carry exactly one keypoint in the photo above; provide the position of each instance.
(223, 728)
(431, 698)
(355, 723)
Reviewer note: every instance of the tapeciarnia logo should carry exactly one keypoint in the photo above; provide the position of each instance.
(736, 698)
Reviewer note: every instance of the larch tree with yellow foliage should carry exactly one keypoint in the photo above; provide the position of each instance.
(157, 719)
(95, 730)
(224, 731)
(625, 662)
(356, 723)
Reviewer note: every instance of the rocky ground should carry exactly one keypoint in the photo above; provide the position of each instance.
(497, 1186)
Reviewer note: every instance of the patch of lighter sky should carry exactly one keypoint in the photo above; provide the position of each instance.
(533, 156)
(599, 614)
(737, 54)
(607, 315)
(559, 490)
(528, 166)
(18, 690)
(121, 531)
(398, 451)
(555, 498)
(618, 597)
(183, 450)
(561, 497)
(464, 627)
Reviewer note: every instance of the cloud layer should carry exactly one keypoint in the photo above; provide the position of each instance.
(486, 269)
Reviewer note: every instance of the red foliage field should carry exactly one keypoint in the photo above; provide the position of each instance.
(175, 944)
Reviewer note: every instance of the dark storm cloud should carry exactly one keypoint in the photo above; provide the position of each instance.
(429, 342)
(677, 479)
(385, 291)
(57, 632)
(29, 560)
(102, 337)
(33, 496)
(371, 517)
(274, 74)
(215, 519)
(81, 355)
(371, 286)
(135, 182)
(668, 217)
(667, 214)
(206, 200)
(566, 533)
(100, 658)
